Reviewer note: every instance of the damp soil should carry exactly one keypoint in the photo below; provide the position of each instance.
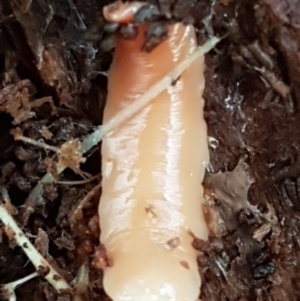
(54, 55)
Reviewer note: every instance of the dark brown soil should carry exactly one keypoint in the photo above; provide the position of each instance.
(53, 59)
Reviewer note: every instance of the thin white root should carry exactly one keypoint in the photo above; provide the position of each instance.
(94, 138)
(41, 264)
(37, 143)
(7, 291)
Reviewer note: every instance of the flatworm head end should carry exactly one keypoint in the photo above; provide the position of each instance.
(122, 12)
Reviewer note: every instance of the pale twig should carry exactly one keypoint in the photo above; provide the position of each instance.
(7, 291)
(37, 143)
(40, 263)
(95, 137)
